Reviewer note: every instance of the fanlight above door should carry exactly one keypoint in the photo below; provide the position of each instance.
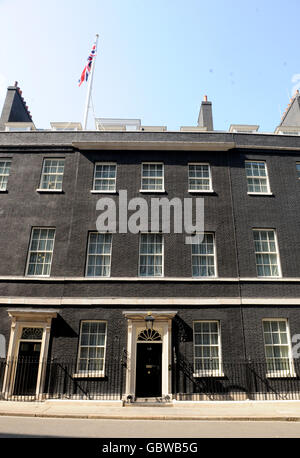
(149, 335)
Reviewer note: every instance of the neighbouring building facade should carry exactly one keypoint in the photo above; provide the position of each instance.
(119, 315)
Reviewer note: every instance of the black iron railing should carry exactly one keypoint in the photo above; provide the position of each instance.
(237, 380)
(28, 379)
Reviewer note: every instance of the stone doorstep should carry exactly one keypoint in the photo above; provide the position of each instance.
(149, 402)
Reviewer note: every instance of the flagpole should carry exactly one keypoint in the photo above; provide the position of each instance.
(89, 89)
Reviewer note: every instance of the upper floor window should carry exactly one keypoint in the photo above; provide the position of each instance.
(298, 169)
(52, 174)
(207, 349)
(151, 255)
(105, 177)
(40, 251)
(203, 255)
(92, 344)
(99, 255)
(152, 176)
(200, 177)
(266, 251)
(4, 173)
(277, 348)
(257, 177)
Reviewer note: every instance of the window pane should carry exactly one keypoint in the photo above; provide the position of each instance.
(92, 346)
(199, 177)
(151, 255)
(52, 174)
(256, 174)
(40, 251)
(105, 177)
(206, 347)
(152, 177)
(203, 256)
(99, 255)
(267, 260)
(4, 173)
(276, 345)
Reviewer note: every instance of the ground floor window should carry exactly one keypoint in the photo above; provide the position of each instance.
(277, 347)
(207, 348)
(92, 344)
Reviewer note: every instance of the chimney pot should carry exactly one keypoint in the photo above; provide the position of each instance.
(205, 98)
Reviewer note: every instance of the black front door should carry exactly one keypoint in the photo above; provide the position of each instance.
(148, 369)
(27, 368)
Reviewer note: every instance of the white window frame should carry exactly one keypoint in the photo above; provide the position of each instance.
(298, 171)
(163, 177)
(268, 252)
(104, 191)
(210, 372)
(266, 193)
(5, 160)
(162, 255)
(214, 255)
(40, 189)
(280, 373)
(95, 254)
(209, 178)
(91, 373)
(45, 251)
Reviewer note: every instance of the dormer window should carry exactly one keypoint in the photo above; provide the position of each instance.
(243, 128)
(65, 126)
(19, 126)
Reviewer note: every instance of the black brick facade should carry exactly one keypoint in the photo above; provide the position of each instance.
(229, 212)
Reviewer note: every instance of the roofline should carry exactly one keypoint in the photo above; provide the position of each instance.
(155, 145)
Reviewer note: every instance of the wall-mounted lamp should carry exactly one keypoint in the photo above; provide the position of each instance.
(149, 319)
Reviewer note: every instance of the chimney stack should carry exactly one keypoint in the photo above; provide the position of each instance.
(205, 118)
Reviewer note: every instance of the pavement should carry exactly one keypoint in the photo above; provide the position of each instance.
(202, 410)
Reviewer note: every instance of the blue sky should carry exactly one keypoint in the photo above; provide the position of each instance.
(156, 59)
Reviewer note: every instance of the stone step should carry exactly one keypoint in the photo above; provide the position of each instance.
(148, 402)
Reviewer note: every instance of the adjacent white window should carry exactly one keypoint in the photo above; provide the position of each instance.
(152, 176)
(105, 177)
(204, 255)
(257, 177)
(4, 173)
(40, 252)
(99, 255)
(266, 251)
(278, 348)
(200, 177)
(207, 349)
(91, 351)
(298, 169)
(151, 255)
(52, 174)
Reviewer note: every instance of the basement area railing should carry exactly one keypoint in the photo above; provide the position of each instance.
(26, 379)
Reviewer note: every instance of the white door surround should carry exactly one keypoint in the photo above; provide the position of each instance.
(163, 325)
(27, 318)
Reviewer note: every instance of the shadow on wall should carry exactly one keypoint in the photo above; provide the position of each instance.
(61, 328)
(182, 331)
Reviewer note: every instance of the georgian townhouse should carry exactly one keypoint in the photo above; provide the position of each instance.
(114, 314)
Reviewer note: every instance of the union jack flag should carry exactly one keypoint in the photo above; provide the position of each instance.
(87, 69)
